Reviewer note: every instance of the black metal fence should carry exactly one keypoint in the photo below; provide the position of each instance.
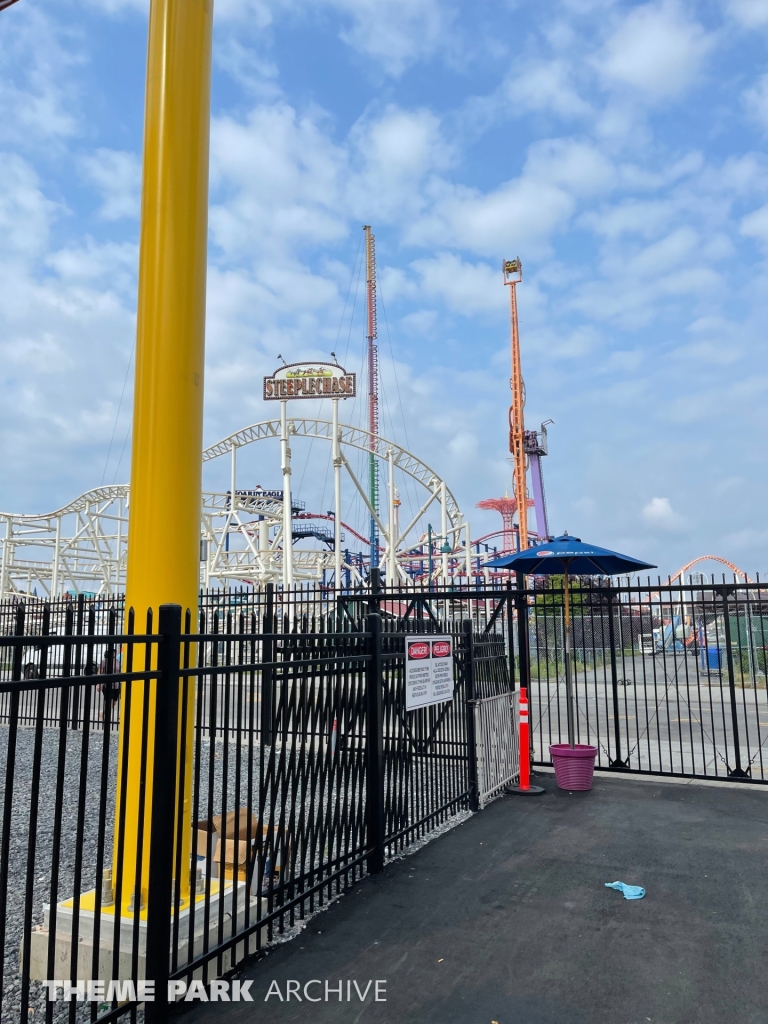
(668, 679)
(296, 764)
(294, 767)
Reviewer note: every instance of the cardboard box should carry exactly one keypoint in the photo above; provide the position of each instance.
(230, 849)
(234, 829)
(235, 824)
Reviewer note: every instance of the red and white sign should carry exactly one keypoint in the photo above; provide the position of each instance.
(417, 649)
(428, 671)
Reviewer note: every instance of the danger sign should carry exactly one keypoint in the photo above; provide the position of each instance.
(428, 671)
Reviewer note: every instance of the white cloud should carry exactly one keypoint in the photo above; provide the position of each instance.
(36, 88)
(279, 180)
(257, 74)
(631, 217)
(664, 255)
(276, 182)
(543, 86)
(546, 86)
(578, 166)
(713, 353)
(740, 175)
(755, 101)
(65, 337)
(393, 153)
(626, 362)
(396, 33)
(421, 323)
(659, 513)
(657, 50)
(466, 288)
(256, 13)
(522, 213)
(639, 281)
(553, 346)
(118, 6)
(755, 224)
(25, 212)
(110, 265)
(117, 175)
(751, 13)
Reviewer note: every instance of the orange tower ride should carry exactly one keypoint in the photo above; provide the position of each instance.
(513, 274)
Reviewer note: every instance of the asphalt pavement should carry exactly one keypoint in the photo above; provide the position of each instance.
(506, 920)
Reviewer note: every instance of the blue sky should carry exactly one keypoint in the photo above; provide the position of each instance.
(618, 149)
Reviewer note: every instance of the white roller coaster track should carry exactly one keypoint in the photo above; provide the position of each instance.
(354, 437)
(81, 547)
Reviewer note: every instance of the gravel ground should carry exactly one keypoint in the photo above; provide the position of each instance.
(86, 833)
(44, 832)
(70, 835)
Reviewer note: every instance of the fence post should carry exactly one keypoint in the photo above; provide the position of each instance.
(617, 761)
(738, 772)
(469, 677)
(511, 635)
(18, 648)
(75, 691)
(374, 809)
(375, 588)
(267, 671)
(164, 799)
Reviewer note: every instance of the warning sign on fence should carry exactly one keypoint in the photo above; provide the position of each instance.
(428, 671)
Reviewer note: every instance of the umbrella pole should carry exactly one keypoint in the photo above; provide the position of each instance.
(568, 682)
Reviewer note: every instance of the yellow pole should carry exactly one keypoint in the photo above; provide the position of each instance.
(166, 469)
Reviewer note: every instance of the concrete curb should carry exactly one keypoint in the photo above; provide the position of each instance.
(611, 776)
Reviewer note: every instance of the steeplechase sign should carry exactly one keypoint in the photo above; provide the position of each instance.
(310, 380)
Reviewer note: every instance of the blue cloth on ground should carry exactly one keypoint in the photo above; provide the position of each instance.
(631, 892)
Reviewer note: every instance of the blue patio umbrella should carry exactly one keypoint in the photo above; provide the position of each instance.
(569, 555)
(566, 555)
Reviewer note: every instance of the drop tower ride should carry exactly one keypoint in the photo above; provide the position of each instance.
(524, 444)
(373, 386)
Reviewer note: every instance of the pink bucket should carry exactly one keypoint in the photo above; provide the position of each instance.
(574, 766)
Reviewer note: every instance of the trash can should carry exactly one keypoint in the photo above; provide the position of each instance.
(710, 659)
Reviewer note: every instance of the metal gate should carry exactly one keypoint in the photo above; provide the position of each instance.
(494, 712)
(496, 737)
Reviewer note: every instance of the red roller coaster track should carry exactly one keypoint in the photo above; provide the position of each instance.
(711, 558)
